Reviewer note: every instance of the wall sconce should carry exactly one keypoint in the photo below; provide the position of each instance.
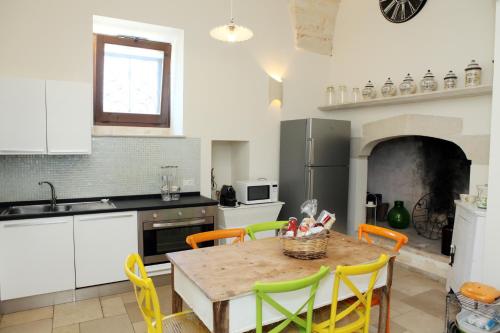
(275, 92)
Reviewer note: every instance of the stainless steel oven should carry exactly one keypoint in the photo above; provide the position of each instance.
(165, 230)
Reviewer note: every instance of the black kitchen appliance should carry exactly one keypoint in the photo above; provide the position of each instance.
(165, 230)
(227, 196)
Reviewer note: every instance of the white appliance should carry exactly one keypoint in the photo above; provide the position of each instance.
(250, 192)
(244, 215)
(467, 245)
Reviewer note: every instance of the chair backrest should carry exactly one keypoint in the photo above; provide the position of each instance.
(145, 293)
(364, 300)
(265, 226)
(262, 291)
(195, 239)
(365, 230)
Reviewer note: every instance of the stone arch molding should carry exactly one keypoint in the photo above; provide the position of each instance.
(475, 147)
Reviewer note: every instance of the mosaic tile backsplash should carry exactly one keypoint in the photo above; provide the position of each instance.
(117, 166)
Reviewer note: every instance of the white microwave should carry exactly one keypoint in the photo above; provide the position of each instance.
(256, 191)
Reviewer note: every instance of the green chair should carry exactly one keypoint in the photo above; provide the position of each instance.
(262, 290)
(266, 226)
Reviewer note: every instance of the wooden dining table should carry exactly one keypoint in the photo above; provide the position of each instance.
(216, 282)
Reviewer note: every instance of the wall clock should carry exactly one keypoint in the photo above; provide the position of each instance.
(399, 11)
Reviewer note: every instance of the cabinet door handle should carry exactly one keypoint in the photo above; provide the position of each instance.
(23, 151)
(73, 151)
(168, 225)
(93, 218)
(35, 223)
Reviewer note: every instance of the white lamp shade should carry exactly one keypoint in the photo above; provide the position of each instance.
(231, 33)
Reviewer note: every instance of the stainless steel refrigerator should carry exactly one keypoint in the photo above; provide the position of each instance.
(314, 164)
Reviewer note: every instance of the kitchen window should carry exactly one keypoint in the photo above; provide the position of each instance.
(131, 81)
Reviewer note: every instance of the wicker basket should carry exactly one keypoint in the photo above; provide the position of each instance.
(307, 247)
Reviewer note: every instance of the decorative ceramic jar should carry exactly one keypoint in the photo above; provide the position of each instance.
(398, 216)
(388, 89)
(450, 80)
(473, 74)
(428, 83)
(369, 91)
(408, 86)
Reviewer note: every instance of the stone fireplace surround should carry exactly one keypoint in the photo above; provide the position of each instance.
(475, 147)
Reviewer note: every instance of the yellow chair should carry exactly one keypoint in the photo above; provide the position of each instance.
(361, 307)
(147, 299)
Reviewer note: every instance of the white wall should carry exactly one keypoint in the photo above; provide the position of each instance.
(222, 163)
(445, 36)
(230, 161)
(226, 86)
(492, 235)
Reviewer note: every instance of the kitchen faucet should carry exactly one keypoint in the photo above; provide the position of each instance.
(53, 200)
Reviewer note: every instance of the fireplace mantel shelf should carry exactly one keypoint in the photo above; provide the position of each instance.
(416, 98)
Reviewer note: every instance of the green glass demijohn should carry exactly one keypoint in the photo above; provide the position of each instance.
(398, 216)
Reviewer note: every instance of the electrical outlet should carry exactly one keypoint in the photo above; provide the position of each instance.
(188, 182)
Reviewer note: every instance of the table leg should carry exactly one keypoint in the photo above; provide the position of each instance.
(176, 299)
(385, 300)
(221, 317)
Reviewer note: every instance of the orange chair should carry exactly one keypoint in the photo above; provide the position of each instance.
(195, 239)
(364, 232)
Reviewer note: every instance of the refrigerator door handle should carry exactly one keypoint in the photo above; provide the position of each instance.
(310, 151)
(306, 180)
(311, 183)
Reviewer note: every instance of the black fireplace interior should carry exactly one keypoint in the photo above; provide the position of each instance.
(426, 173)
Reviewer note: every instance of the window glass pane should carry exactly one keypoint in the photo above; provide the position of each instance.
(132, 80)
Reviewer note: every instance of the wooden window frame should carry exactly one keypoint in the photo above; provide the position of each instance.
(130, 119)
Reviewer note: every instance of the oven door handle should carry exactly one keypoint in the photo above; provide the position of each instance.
(189, 223)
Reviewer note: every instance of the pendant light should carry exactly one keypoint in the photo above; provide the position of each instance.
(231, 32)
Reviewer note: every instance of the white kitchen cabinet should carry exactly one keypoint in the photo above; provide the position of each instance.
(467, 244)
(40, 117)
(36, 256)
(69, 117)
(22, 116)
(102, 243)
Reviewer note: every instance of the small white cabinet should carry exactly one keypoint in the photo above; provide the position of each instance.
(22, 116)
(467, 244)
(102, 243)
(69, 117)
(36, 256)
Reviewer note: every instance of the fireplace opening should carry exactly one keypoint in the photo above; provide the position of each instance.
(427, 175)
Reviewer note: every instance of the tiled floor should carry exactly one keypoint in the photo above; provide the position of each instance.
(418, 306)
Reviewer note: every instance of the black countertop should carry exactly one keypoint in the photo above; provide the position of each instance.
(122, 203)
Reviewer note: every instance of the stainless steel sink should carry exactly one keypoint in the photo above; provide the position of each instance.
(74, 206)
(34, 209)
(91, 205)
